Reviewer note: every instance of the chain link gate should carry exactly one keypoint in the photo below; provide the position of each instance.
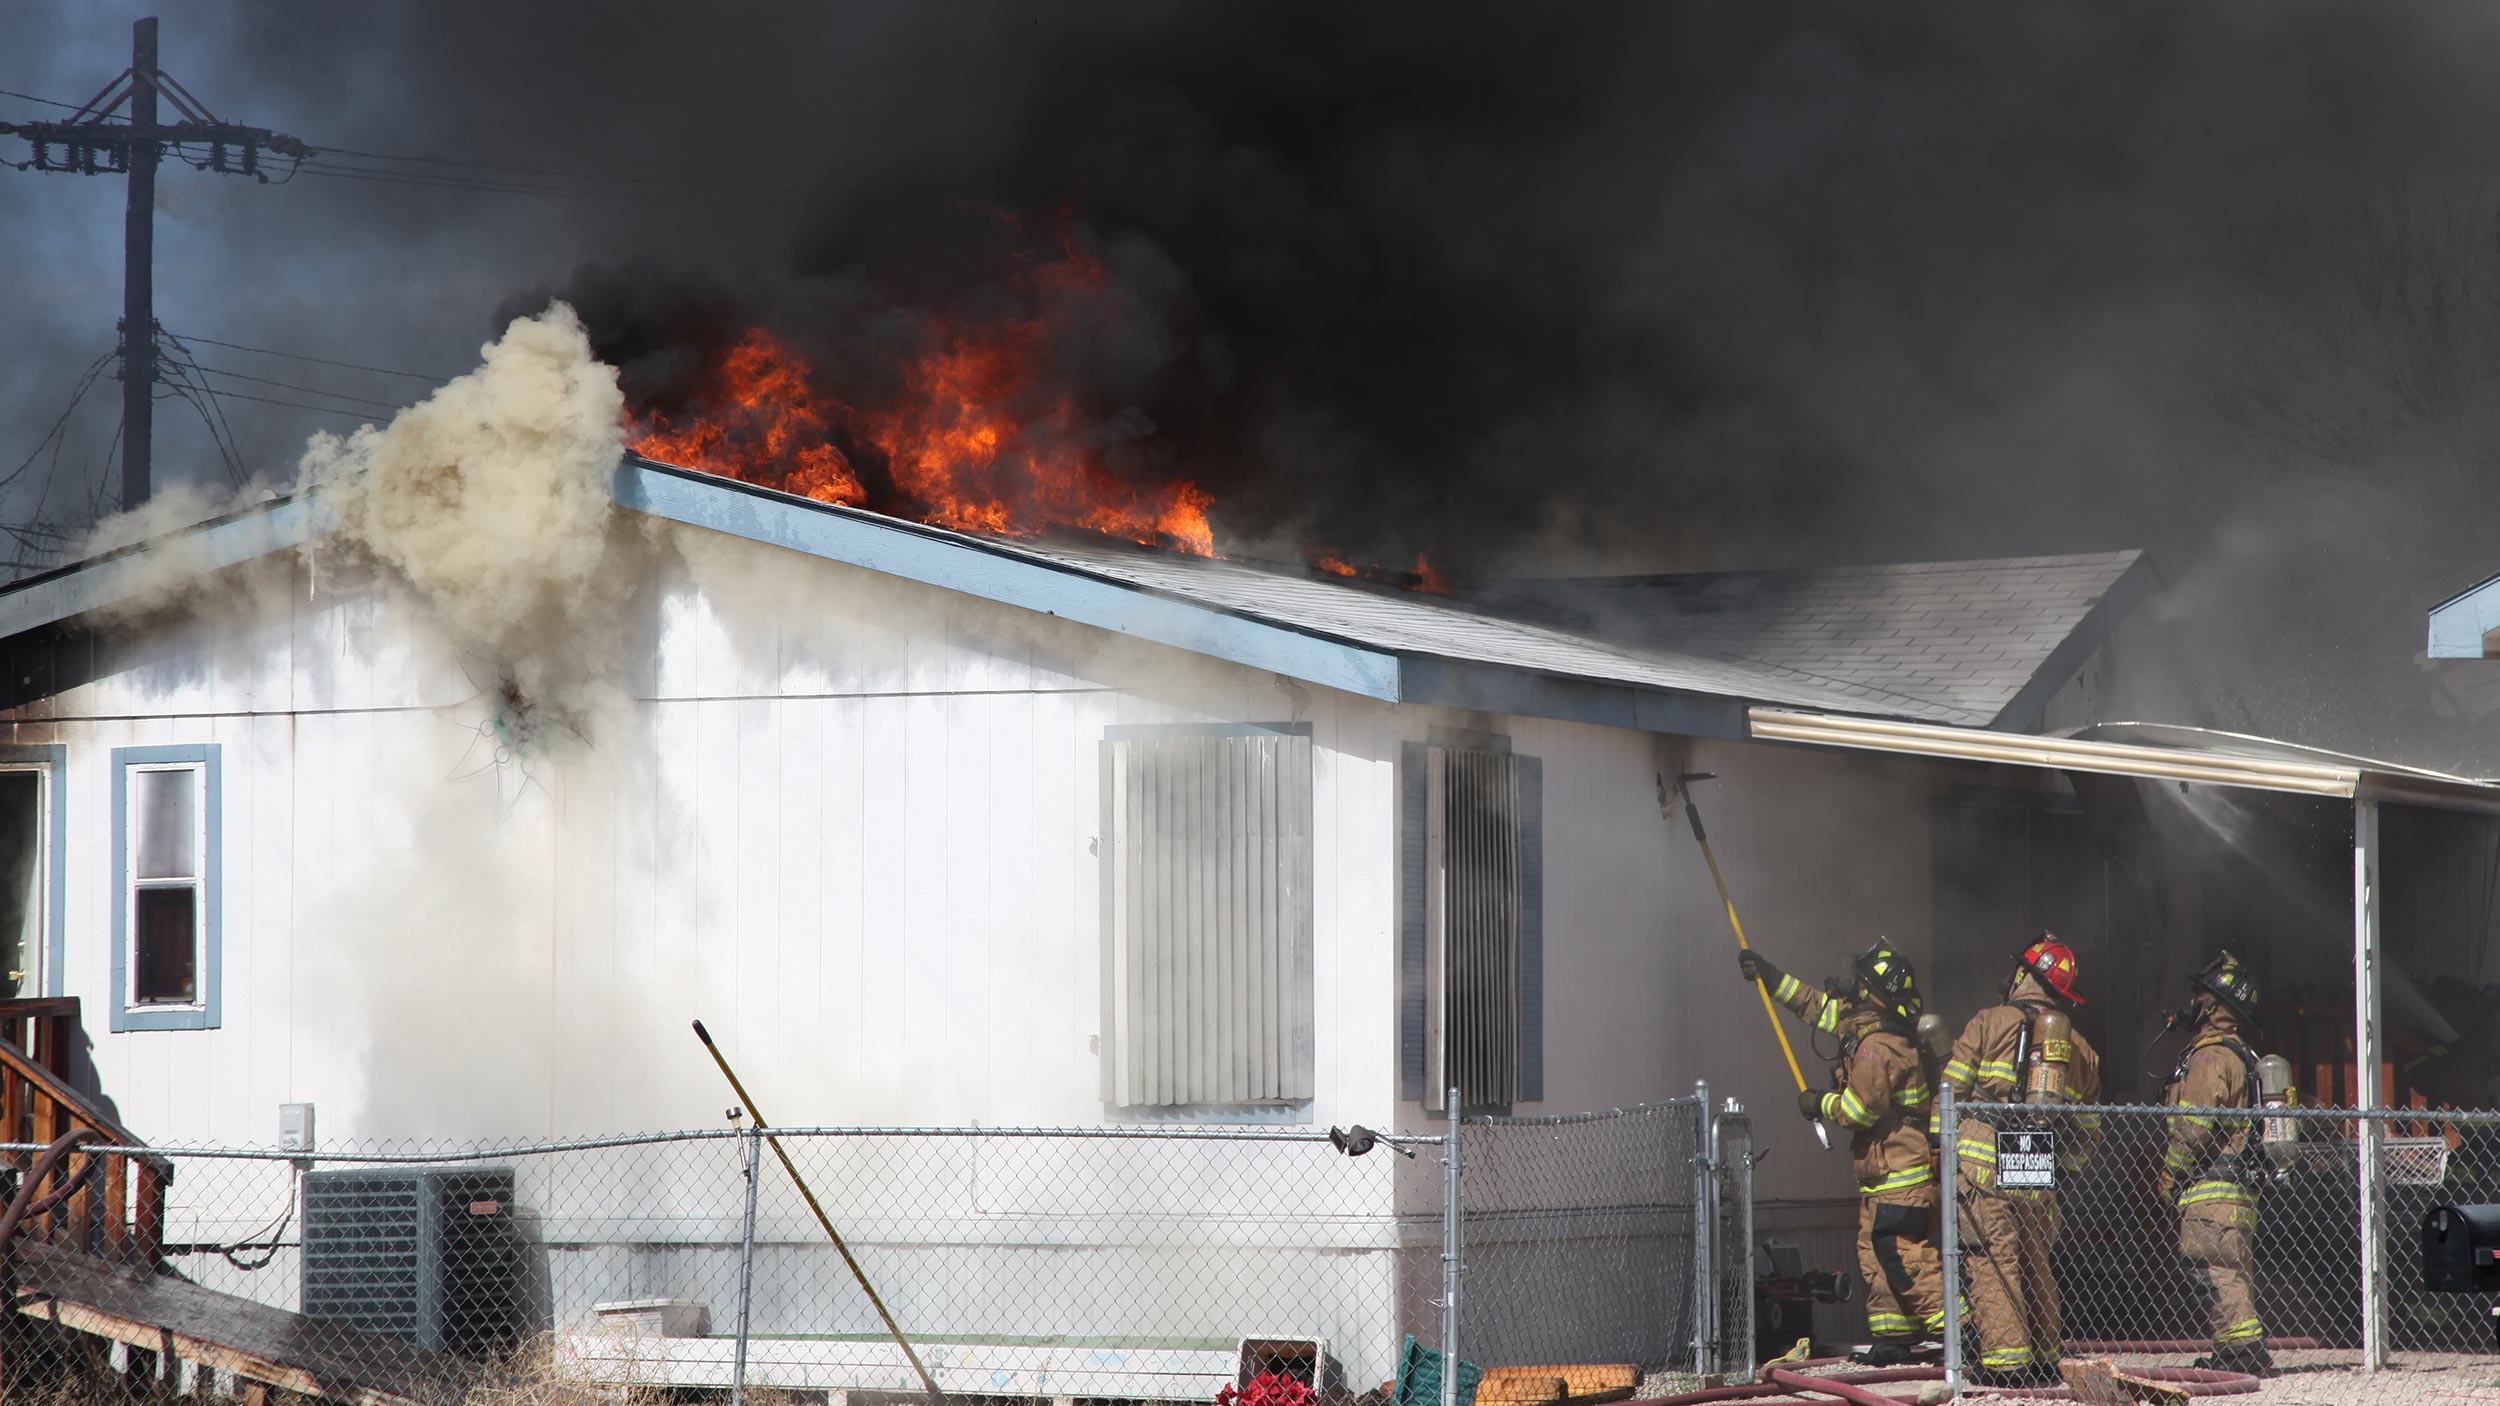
(2272, 1246)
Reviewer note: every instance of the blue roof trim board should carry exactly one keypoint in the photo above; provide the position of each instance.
(1395, 646)
(118, 576)
(952, 561)
(2463, 625)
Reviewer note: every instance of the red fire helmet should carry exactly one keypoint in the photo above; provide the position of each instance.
(2054, 963)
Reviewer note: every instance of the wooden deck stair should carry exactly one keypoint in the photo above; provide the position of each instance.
(95, 1267)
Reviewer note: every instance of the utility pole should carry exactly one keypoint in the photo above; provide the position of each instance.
(89, 144)
(139, 276)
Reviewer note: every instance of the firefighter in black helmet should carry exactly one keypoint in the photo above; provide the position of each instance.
(1882, 1096)
(2212, 1167)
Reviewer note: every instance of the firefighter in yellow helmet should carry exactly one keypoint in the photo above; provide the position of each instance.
(2209, 1168)
(2007, 1232)
(1883, 1089)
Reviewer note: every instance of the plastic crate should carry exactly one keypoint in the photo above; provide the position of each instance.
(1419, 1376)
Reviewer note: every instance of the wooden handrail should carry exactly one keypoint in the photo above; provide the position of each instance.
(120, 1215)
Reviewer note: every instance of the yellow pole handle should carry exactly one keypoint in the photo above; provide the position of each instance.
(1768, 1011)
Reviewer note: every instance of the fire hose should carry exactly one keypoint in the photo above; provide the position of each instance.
(26, 1205)
(1852, 1386)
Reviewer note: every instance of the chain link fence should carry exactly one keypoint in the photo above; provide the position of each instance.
(2160, 1239)
(1063, 1265)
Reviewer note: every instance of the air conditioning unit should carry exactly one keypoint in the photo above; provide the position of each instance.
(430, 1256)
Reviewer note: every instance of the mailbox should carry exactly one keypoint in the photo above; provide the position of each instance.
(2461, 1249)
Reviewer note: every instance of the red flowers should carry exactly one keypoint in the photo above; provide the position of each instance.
(1269, 1389)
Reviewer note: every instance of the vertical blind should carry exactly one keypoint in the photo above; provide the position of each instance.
(1207, 908)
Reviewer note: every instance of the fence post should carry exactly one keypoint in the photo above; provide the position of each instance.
(746, 1266)
(1949, 1240)
(2366, 1096)
(1450, 1209)
(1739, 1335)
(1705, 1234)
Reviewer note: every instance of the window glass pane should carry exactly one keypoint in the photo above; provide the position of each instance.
(21, 879)
(165, 812)
(164, 942)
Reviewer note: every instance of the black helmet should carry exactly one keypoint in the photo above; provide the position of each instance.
(1887, 977)
(2230, 983)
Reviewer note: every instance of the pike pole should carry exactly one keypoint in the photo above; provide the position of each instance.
(1692, 814)
(822, 1219)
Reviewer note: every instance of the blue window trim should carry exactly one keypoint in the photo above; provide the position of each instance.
(54, 759)
(209, 1014)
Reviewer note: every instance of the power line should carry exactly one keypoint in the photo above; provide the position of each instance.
(86, 381)
(300, 356)
(291, 386)
(340, 411)
(48, 102)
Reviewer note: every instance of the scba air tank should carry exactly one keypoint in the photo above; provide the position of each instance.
(2052, 1049)
(2275, 1090)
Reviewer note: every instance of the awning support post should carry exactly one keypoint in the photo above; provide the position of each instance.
(2367, 1059)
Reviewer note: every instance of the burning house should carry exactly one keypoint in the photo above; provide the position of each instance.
(441, 795)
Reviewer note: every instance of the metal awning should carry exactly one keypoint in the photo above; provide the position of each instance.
(2153, 751)
(2167, 752)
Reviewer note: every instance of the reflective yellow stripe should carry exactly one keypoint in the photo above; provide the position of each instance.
(1889, 1325)
(1914, 1094)
(1978, 1152)
(1853, 1110)
(2229, 1192)
(2241, 1331)
(2196, 1119)
(1957, 1073)
(1787, 990)
(1827, 1019)
(2006, 1357)
(1996, 1069)
(1919, 1175)
(1829, 1108)
(2085, 1120)
(2179, 1159)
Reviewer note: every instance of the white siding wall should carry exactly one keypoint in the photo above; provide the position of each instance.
(846, 821)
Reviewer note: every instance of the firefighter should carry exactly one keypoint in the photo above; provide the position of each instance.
(2009, 1231)
(1882, 1090)
(2211, 1168)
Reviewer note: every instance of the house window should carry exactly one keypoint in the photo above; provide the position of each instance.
(165, 860)
(1471, 900)
(1207, 915)
(30, 869)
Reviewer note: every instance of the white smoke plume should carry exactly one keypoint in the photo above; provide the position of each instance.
(491, 499)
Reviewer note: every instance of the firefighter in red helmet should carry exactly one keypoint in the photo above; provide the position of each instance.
(2027, 1040)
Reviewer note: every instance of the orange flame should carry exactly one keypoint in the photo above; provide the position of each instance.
(1428, 579)
(974, 440)
(1333, 564)
(768, 428)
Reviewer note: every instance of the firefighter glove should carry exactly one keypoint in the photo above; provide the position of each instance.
(2162, 1185)
(1810, 1104)
(1757, 967)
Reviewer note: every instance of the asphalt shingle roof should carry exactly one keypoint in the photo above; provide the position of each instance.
(1962, 637)
(1949, 643)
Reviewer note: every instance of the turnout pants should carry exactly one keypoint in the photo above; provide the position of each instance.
(2006, 1239)
(1898, 1259)
(2218, 1238)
